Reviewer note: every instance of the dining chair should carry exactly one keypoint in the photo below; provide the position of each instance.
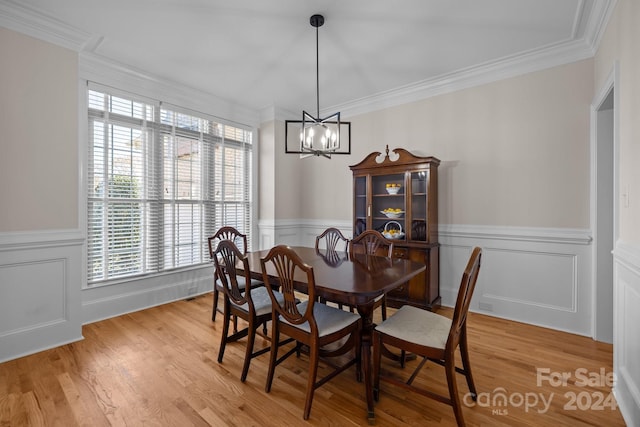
(372, 242)
(334, 251)
(333, 240)
(240, 240)
(433, 337)
(252, 304)
(310, 324)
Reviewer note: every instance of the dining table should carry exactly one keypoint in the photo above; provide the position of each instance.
(354, 280)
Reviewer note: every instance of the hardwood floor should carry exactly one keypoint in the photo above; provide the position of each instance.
(159, 367)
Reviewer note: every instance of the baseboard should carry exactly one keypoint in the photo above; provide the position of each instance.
(116, 299)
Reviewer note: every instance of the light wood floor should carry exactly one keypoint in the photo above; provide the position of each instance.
(159, 367)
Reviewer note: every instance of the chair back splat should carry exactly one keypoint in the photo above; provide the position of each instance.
(228, 233)
(465, 292)
(286, 263)
(333, 240)
(228, 254)
(372, 242)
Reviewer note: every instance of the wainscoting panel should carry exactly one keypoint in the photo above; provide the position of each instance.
(626, 341)
(40, 282)
(538, 279)
(536, 276)
(532, 275)
(41, 297)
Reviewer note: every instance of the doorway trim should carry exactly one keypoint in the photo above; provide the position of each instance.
(602, 314)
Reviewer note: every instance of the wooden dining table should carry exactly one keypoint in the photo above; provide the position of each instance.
(355, 281)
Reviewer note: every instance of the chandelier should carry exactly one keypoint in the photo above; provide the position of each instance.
(319, 136)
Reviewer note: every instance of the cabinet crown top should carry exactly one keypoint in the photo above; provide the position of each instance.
(392, 158)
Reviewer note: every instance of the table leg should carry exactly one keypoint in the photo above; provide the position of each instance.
(366, 313)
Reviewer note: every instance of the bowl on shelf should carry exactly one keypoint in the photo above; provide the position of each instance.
(393, 188)
(393, 233)
(392, 213)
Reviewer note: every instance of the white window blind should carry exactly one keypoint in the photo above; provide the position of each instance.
(160, 181)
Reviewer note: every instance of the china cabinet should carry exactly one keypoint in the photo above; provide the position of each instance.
(396, 193)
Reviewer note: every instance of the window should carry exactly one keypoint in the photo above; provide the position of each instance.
(160, 181)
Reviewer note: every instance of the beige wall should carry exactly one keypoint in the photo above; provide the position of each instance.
(39, 145)
(266, 171)
(620, 43)
(282, 176)
(514, 152)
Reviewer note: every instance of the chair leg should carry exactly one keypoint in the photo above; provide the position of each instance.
(466, 365)
(273, 358)
(311, 381)
(450, 369)
(358, 350)
(216, 293)
(225, 332)
(251, 339)
(376, 360)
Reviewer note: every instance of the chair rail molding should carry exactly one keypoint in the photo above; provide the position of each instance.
(626, 317)
(298, 232)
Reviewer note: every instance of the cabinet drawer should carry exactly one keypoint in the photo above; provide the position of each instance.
(401, 292)
(400, 253)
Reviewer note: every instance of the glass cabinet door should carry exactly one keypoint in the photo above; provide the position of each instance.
(360, 205)
(388, 205)
(418, 230)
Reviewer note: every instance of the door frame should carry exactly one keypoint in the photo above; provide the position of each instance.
(602, 307)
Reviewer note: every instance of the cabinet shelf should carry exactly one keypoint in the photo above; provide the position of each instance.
(418, 198)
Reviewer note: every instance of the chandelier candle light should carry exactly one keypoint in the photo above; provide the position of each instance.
(319, 137)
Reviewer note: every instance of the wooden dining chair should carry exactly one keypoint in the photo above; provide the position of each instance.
(252, 304)
(240, 240)
(372, 242)
(335, 250)
(333, 240)
(433, 337)
(310, 324)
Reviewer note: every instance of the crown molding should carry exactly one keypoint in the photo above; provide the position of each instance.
(597, 23)
(557, 54)
(26, 20)
(275, 113)
(512, 66)
(96, 68)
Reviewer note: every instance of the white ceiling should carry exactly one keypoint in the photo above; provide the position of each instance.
(262, 53)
